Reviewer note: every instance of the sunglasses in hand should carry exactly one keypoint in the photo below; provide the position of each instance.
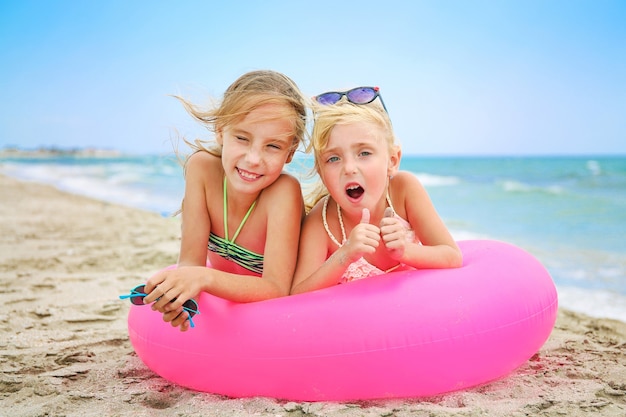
(138, 293)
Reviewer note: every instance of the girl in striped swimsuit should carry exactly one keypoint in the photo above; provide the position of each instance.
(239, 185)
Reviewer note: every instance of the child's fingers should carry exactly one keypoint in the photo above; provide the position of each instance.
(155, 288)
(154, 281)
(182, 321)
(177, 319)
(174, 316)
(365, 216)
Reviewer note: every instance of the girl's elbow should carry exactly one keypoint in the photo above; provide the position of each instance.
(296, 288)
(283, 291)
(277, 292)
(456, 258)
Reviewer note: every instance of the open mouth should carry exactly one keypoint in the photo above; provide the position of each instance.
(354, 191)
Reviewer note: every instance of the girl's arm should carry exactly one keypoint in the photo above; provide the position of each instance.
(284, 213)
(437, 249)
(315, 270)
(311, 257)
(285, 216)
(196, 221)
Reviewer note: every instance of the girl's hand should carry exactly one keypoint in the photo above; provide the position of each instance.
(394, 235)
(178, 318)
(364, 238)
(169, 289)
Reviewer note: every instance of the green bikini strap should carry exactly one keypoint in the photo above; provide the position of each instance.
(243, 221)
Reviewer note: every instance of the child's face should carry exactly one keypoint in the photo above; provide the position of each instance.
(355, 166)
(256, 148)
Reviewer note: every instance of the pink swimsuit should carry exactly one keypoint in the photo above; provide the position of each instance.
(361, 268)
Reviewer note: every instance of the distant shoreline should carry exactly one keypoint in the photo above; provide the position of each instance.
(52, 152)
(45, 152)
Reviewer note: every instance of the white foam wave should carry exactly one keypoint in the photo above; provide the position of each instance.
(595, 303)
(458, 234)
(594, 167)
(520, 187)
(113, 184)
(431, 180)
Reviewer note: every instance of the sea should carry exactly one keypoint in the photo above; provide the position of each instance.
(568, 211)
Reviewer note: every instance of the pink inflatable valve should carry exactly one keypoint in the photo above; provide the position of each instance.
(403, 334)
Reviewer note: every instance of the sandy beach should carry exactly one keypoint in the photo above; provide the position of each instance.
(64, 347)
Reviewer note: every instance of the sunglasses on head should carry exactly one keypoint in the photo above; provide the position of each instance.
(138, 293)
(359, 95)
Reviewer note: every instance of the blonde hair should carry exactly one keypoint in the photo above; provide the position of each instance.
(247, 93)
(326, 117)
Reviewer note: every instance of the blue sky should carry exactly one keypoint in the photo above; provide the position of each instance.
(458, 77)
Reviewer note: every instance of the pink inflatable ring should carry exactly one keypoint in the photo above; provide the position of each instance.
(403, 334)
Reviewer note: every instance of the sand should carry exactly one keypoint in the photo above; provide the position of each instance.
(64, 259)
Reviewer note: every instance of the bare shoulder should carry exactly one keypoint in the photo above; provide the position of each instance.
(314, 217)
(405, 178)
(283, 198)
(202, 160)
(285, 184)
(408, 194)
(405, 183)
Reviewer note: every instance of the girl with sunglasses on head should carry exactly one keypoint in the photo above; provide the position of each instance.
(240, 210)
(367, 217)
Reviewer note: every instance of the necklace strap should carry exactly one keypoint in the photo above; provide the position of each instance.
(343, 231)
(389, 202)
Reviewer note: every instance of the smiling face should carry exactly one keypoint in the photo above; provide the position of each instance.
(355, 166)
(256, 148)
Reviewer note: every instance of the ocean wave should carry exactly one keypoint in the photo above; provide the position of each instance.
(594, 167)
(459, 234)
(431, 180)
(512, 186)
(596, 303)
(127, 184)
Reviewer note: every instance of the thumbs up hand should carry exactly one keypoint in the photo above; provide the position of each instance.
(365, 216)
(394, 234)
(364, 238)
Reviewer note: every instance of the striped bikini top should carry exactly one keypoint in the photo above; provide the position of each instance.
(228, 249)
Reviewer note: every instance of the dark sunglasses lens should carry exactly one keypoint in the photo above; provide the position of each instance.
(328, 98)
(191, 307)
(138, 299)
(361, 95)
